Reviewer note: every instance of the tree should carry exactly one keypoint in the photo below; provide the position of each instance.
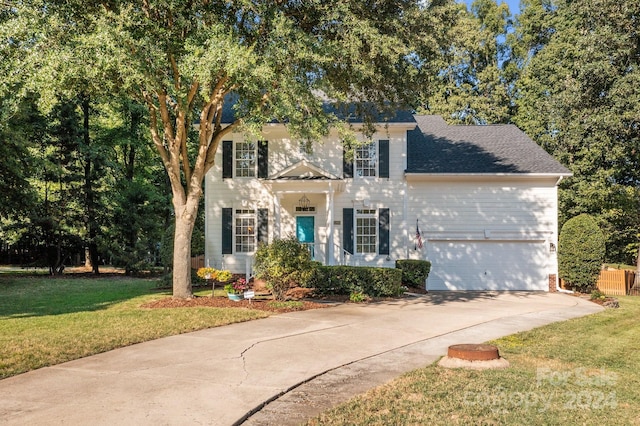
(188, 60)
(476, 77)
(579, 98)
(581, 249)
(20, 128)
(136, 192)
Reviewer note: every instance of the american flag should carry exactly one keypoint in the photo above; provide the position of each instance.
(418, 243)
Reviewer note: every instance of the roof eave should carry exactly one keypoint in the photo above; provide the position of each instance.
(416, 176)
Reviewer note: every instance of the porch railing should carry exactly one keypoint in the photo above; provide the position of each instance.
(312, 249)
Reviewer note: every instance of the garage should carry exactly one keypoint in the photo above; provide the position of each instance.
(488, 265)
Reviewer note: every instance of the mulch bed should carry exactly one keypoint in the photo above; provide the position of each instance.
(261, 304)
(224, 302)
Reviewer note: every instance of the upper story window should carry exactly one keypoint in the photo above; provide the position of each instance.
(366, 160)
(366, 231)
(245, 159)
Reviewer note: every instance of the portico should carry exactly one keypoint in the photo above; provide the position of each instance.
(304, 205)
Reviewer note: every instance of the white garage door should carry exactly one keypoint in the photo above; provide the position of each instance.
(488, 265)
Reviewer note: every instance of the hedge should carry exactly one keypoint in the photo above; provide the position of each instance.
(414, 272)
(375, 282)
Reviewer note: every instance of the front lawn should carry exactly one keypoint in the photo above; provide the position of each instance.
(583, 371)
(46, 321)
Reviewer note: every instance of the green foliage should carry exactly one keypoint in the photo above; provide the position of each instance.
(581, 250)
(579, 98)
(414, 272)
(357, 296)
(283, 264)
(19, 130)
(137, 198)
(375, 282)
(597, 294)
(475, 82)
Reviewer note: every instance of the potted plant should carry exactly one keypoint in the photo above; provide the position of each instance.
(236, 289)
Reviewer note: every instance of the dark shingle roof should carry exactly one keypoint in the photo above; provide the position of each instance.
(353, 113)
(435, 147)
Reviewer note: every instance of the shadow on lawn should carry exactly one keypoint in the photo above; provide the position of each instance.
(32, 296)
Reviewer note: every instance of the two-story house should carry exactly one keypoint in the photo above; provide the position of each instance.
(479, 202)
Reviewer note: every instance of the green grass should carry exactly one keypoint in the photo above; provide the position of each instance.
(46, 321)
(289, 304)
(620, 266)
(584, 371)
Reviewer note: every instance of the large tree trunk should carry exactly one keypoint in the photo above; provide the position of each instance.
(90, 215)
(185, 221)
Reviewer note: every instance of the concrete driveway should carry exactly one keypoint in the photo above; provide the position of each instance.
(279, 370)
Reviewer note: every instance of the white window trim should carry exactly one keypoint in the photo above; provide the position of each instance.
(244, 213)
(366, 213)
(253, 171)
(371, 168)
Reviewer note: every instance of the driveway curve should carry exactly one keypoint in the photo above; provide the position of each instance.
(278, 370)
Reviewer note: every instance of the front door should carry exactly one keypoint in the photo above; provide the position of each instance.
(305, 231)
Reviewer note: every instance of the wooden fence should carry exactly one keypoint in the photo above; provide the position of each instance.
(197, 262)
(616, 282)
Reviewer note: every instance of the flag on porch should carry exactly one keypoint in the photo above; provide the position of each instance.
(418, 242)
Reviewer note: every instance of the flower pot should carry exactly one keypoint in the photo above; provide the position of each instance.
(235, 297)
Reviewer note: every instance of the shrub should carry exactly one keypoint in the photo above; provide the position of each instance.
(414, 272)
(376, 282)
(581, 250)
(283, 264)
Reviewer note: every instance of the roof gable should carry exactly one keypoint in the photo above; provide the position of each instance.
(436, 147)
(303, 170)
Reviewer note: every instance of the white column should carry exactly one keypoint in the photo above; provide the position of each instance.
(276, 212)
(405, 233)
(330, 242)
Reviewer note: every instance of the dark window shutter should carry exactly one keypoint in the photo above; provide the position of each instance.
(383, 156)
(383, 226)
(263, 157)
(347, 226)
(263, 225)
(227, 159)
(227, 230)
(347, 166)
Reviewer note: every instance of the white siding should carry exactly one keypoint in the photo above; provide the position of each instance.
(473, 232)
(497, 216)
(327, 155)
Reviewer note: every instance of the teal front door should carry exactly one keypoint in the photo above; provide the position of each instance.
(305, 231)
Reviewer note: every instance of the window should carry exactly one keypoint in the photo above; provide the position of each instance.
(245, 159)
(366, 228)
(366, 160)
(245, 230)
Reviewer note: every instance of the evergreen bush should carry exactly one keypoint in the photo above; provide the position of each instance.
(414, 272)
(283, 264)
(581, 251)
